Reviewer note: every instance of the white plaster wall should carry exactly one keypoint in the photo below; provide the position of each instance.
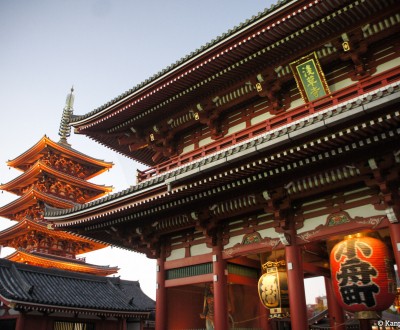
(198, 250)
(188, 149)
(176, 254)
(205, 141)
(388, 65)
(268, 233)
(236, 128)
(312, 223)
(260, 118)
(195, 250)
(265, 233)
(364, 211)
(296, 103)
(341, 84)
(233, 240)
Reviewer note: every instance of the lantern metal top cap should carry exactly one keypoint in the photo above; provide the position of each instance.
(367, 233)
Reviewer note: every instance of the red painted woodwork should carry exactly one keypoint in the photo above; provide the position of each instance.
(297, 300)
(304, 179)
(395, 238)
(184, 306)
(265, 323)
(220, 289)
(360, 88)
(336, 315)
(362, 274)
(161, 294)
(54, 176)
(188, 261)
(188, 280)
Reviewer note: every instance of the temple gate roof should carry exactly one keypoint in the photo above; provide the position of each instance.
(266, 44)
(26, 287)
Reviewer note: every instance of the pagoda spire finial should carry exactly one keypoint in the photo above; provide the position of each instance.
(65, 130)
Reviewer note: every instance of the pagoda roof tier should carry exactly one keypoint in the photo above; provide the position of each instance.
(23, 227)
(25, 287)
(40, 168)
(51, 261)
(45, 144)
(147, 122)
(30, 198)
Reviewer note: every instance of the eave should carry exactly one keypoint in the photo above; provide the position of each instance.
(46, 260)
(30, 306)
(270, 40)
(194, 62)
(365, 125)
(30, 198)
(169, 182)
(27, 287)
(32, 173)
(33, 154)
(24, 226)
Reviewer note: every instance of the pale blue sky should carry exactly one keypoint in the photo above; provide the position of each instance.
(102, 48)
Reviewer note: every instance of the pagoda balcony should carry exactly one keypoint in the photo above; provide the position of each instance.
(336, 98)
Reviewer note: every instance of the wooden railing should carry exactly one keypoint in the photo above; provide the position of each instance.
(360, 88)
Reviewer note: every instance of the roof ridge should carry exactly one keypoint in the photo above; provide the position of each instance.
(28, 288)
(182, 60)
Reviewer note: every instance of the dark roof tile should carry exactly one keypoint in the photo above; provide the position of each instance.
(35, 285)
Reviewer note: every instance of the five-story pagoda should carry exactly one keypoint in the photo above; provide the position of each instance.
(54, 176)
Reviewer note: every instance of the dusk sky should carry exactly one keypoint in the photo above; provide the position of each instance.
(102, 48)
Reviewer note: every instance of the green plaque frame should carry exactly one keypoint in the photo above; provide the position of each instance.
(310, 78)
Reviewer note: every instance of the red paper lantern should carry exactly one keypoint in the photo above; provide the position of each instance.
(362, 274)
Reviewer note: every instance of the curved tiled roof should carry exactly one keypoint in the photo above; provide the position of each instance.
(266, 138)
(184, 59)
(30, 198)
(45, 141)
(30, 287)
(23, 226)
(40, 166)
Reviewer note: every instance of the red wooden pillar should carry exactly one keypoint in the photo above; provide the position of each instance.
(122, 323)
(264, 321)
(395, 237)
(335, 311)
(99, 325)
(20, 322)
(161, 293)
(45, 319)
(297, 299)
(220, 289)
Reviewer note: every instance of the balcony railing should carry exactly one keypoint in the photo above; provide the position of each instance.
(345, 94)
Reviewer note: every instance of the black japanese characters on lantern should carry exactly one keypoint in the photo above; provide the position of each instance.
(362, 274)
